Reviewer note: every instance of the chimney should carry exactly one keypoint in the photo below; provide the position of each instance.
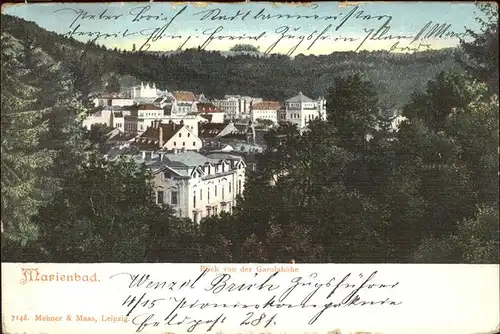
(160, 136)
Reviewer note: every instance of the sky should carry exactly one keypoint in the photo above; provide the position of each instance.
(314, 28)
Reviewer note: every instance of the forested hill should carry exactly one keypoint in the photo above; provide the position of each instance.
(276, 77)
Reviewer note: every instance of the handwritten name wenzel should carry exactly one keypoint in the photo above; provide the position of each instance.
(286, 32)
(301, 292)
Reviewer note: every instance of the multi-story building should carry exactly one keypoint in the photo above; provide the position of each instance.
(194, 185)
(139, 117)
(265, 110)
(142, 91)
(245, 103)
(180, 103)
(301, 109)
(236, 106)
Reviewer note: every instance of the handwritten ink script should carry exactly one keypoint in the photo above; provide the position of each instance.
(255, 301)
(269, 29)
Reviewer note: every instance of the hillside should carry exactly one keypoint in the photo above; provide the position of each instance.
(275, 77)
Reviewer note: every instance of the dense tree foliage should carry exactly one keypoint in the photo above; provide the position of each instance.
(273, 77)
(23, 127)
(350, 189)
(245, 47)
(113, 85)
(480, 56)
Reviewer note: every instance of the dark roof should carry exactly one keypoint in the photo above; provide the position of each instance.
(209, 117)
(300, 98)
(209, 130)
(266, 105)
(207, 107)
(132, 107)
(235, 136)
(152, 133)
(148, 107)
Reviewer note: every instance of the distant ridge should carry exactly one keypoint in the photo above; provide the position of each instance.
(271, 77)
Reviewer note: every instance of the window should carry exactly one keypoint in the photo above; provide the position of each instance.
(194, 199)
(229, 187)
(215, 210)
(222, 192)
(194, 143)
(183, 143)
(173, 198)
(239, 187)
(159, 196)
(180, 135)
(189, 135)
(215, 191)
(175, 143)
(195, 216)
(201, 194)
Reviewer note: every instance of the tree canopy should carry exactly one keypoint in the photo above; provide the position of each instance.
(348, 189)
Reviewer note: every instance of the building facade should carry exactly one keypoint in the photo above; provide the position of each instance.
(142, 91)
(139, 117)
(194, 185)
(301, 109)
(266, 110)
(236, 106)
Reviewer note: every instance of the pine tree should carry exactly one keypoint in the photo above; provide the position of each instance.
(113, 85)
(22, 159)
(481, 52)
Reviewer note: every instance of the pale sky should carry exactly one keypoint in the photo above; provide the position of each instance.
(317, 28)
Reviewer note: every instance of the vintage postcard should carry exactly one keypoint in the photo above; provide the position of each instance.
(250, 167)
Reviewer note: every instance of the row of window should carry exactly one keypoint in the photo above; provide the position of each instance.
(265, 116)
(211, 211)
(184, 143)
(141, 127)
(149, 114)
(160, 197)
(174, 195)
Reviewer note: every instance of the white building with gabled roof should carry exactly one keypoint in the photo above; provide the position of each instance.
(301, 109)
(194, 185)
